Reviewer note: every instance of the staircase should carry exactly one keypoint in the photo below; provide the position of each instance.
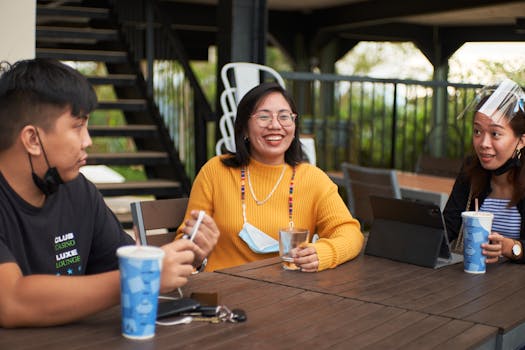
(73, 31)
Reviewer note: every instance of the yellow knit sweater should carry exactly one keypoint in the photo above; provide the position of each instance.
(316, 206)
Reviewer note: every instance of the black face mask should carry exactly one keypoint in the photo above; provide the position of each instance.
(513, 162)
(49, 184)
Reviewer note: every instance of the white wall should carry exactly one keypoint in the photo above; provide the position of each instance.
(17, 29)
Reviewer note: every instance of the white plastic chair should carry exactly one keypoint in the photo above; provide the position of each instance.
(238, 78)
(226, 125)
(245, 76)
(308, 145)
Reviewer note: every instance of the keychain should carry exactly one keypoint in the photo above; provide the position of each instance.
(210, 314)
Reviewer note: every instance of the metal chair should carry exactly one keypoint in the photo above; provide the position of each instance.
(362, 182)
(166, 214)
(438, 166)
(442, 152)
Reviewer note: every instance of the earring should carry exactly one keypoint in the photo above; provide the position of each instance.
(518, 157)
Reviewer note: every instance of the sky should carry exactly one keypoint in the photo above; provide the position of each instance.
(466, 65)
(510, 55)
(492, 51)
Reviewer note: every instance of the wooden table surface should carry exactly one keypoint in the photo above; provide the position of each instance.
(495, 299)
(279, 317)
(424, 182)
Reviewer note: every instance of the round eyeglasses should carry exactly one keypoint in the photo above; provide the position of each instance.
(265, 118)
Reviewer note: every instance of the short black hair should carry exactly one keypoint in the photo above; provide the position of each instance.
(246, 107)
(34, 91)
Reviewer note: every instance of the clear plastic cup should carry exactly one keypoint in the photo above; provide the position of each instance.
(289, 240)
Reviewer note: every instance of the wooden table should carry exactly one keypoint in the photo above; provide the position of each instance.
(431, 188)
(279, 317)
(495, 299)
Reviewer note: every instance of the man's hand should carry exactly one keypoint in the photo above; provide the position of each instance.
(206, 237)
(177, 264)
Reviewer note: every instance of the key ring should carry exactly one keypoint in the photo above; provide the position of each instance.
(224, 314)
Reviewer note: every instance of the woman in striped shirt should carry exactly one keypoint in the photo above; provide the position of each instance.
(495, 174)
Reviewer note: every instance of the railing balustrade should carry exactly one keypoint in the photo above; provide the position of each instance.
(380, 122)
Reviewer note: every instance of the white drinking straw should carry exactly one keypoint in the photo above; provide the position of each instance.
(197, 224)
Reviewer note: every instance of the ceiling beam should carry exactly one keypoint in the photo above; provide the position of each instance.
(383, 11)
(190, 15)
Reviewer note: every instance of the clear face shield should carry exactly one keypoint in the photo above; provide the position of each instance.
(500, 103)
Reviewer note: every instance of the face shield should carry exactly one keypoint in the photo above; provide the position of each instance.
(500, 103)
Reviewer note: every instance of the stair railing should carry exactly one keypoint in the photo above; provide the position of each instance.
(170, 78)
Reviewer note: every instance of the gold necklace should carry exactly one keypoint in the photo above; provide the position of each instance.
(258, 202)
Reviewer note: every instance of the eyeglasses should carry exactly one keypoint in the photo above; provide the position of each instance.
(265, 118)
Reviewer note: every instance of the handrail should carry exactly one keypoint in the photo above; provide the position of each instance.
(375, 122)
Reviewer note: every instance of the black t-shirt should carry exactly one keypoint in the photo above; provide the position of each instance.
(74, 233)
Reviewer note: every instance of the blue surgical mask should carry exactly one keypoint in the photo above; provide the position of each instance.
(258, 241)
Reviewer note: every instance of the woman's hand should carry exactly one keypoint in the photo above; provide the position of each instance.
(494, 249)
(206, 237)
(306, 258)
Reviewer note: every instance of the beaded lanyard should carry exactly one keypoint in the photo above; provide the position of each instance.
(290, 195)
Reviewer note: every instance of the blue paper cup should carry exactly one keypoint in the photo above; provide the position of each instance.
(140, 268)
(476, 228)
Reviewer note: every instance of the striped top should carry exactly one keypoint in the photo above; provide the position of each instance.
(507, 221)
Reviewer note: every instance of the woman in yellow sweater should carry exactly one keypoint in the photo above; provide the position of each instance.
(266, 185)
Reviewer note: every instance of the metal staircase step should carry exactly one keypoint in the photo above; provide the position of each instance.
(138, 131)
(114, 79)
(74, 35)
(129, 105)
(83, 55)
(64, 12)
(155, 187)
(128, 158)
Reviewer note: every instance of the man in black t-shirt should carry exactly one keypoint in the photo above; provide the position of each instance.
(58, 239)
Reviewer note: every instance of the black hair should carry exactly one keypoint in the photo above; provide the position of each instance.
(480, 177)
(245, 109)
(36, 91)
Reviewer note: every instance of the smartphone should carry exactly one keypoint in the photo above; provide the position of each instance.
(176, 307)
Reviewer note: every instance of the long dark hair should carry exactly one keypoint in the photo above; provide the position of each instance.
(246, 107)
(480, 177)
